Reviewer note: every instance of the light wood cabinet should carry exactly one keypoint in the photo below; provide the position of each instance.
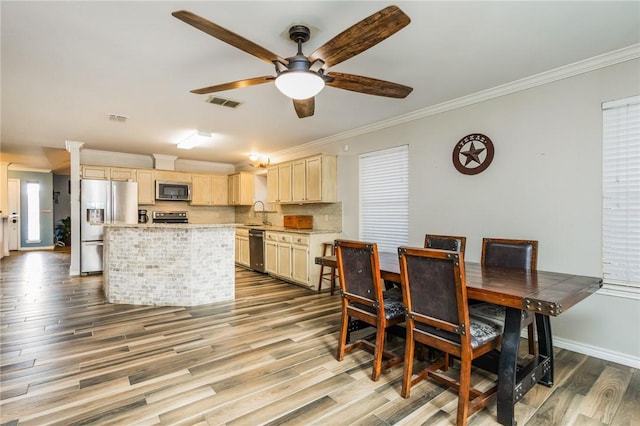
(278, 254)
(270, 256)
(219, 190)
(300, 259)
(146, 187)
(315, 179)
(200, 190)
(108, 173)
(171, 176)
(284, 260)
(285, 176)
(118, 173)
(242, 247)
(279, 183)
(208, 190)
(95, 172)
(291, 256)
(272, 185)
(306, 180)
(240, 189)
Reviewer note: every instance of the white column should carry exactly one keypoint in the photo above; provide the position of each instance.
(74, 150)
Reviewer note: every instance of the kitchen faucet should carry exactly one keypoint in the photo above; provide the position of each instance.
(264, 212)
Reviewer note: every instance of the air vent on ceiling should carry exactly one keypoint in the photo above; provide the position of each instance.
(223, 102)
(117, 117)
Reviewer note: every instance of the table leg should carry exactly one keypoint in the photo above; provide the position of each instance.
(508, 365)
(545, 346)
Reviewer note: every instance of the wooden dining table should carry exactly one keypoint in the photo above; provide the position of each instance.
(543, 294)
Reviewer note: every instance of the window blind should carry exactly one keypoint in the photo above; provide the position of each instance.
(384, 198)
(621, 196)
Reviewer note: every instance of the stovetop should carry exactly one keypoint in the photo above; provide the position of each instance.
(170, 217)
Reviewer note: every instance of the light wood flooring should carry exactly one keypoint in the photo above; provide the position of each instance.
(70, 358)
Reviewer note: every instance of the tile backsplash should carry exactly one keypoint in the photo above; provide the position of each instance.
(325, 216)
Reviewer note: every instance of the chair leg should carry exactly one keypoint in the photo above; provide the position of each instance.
(322, 273)
(407, 372)
(344, 330)
(333, 280)
(463, 392)
(378, 352)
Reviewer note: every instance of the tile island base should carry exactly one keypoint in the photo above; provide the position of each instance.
(169, 264)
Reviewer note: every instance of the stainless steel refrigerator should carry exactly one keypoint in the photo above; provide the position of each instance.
(103, 201)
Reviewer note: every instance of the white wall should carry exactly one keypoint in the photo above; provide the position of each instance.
(544, 183)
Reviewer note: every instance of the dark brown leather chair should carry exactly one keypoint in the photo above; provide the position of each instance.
(435, 295)
(363, 300)
(445, 242)
(508, 253)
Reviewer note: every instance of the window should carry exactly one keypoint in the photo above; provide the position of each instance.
(621, 197)
(33, 212)
(384, 198)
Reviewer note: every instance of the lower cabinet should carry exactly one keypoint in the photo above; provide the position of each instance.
(242, 247)
(291, 256)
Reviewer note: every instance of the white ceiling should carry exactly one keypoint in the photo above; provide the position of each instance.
(67, 65)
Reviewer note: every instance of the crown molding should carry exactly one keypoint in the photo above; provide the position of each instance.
(597, 62)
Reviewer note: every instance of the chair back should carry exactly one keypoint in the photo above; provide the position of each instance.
(508, 253)
(434, 291)
(359, 271)
(445, 242)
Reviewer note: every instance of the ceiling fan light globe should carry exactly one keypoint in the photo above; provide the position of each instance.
(299, 84)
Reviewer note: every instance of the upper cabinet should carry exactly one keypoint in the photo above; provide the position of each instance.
(118, 173)
(95, 172)
(311, 180)
(206, 189)
(209, 190)
(108, 173)
(240, 189)
(146, 187)
(219, 190)
(279, 186)
(171, 176)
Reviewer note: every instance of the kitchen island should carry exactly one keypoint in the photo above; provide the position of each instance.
(169, 264)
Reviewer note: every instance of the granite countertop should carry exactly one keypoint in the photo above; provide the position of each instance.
(171, 225)
(283, 229)
(151, 225)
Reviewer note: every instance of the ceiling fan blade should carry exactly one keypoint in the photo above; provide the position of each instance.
(361, 36)
(368, 85)
(304, 107)
(227, 36)
(234, 85)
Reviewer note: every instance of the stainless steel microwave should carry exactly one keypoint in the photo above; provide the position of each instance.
(173, 191)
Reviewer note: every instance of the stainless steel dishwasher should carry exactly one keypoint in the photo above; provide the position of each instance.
(256, 249)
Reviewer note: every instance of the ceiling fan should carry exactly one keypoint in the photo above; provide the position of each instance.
(302, 77)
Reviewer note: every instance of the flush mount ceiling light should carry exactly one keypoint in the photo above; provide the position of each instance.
(259, 160)
(194, 139)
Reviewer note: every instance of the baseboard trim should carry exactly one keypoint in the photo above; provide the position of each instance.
(597, 352)
(37, 248)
